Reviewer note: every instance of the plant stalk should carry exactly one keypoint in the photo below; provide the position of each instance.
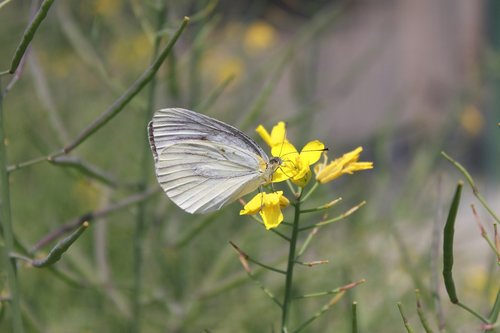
(8, 234)
(140, 228)
(291, 263)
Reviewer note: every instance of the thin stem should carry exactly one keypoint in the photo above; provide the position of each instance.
(475, 190)
(474, 313)
(134, 89)
(291, 263)
(118, 105)
(335, 219)
(17, 166)
(195, 231)
(57, 251)
(405, 320)
(311, 190)
(322, 311)
(272, 230)
(248, 258)
(333, 291)
(8, 233)
(76, 222)
(322, 207)
(484, 234)
(140, 228)
(29, 34)
(214, 95)
(312, 263)
(354, 317)
(308, 240)
(421, 314)
(246, 267)
(290, 186)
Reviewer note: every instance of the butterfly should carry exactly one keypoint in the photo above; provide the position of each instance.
(203, 164)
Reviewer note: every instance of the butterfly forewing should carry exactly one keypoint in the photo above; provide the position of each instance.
(201, 163)
(175, 125)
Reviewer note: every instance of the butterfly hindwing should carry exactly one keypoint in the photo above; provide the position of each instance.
(201, 176)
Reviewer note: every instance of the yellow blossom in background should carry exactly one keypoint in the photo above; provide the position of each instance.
(472, 120)
(88, 193)
(107, 8)
(133, 51)
(221, 65)
(259, 36)
(295, 165)
(277, 136)
(347, 164)
(268, 205)
(229, 67)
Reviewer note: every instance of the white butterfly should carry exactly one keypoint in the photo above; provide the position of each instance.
(202, 163)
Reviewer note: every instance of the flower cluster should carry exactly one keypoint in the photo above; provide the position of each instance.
(296, 167)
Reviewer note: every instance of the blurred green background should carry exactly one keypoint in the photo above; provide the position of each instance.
(404, 79)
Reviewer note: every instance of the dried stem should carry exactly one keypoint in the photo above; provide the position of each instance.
(248, 258)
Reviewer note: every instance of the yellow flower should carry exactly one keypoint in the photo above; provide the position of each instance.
(277, 136)
(348, 163)
(268, 205)
(472, 120)
(259, 36)
(295, 165)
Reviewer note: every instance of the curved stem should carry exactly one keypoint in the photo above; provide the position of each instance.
(291, 262)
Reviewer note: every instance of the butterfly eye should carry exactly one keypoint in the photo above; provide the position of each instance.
(275, 160)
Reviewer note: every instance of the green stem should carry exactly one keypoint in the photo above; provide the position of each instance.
(132, 91)
(29, 34)
(140, 228)
(474, 313)
(313, 188)
(291, 263)
(354, 317)
(405, 320)
(421, 314)
(335, 219)
(118, 105)
(8, 234)
(472, 184)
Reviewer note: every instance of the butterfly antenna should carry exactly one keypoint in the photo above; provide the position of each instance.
(306, 151)
(282, 143)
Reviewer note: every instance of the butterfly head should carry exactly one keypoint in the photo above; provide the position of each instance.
(270, 167)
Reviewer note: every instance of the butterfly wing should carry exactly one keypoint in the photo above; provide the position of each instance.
(175, 125)
(202, 176)
(203, 163)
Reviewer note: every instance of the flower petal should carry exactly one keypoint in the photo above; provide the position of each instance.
(346, 164)
(254, 205)
(280, 175)
(285, 151)
(272, 216)
(264, 134)
(311, 153)
(278, 133)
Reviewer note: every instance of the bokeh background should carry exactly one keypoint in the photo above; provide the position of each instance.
(404, 79)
